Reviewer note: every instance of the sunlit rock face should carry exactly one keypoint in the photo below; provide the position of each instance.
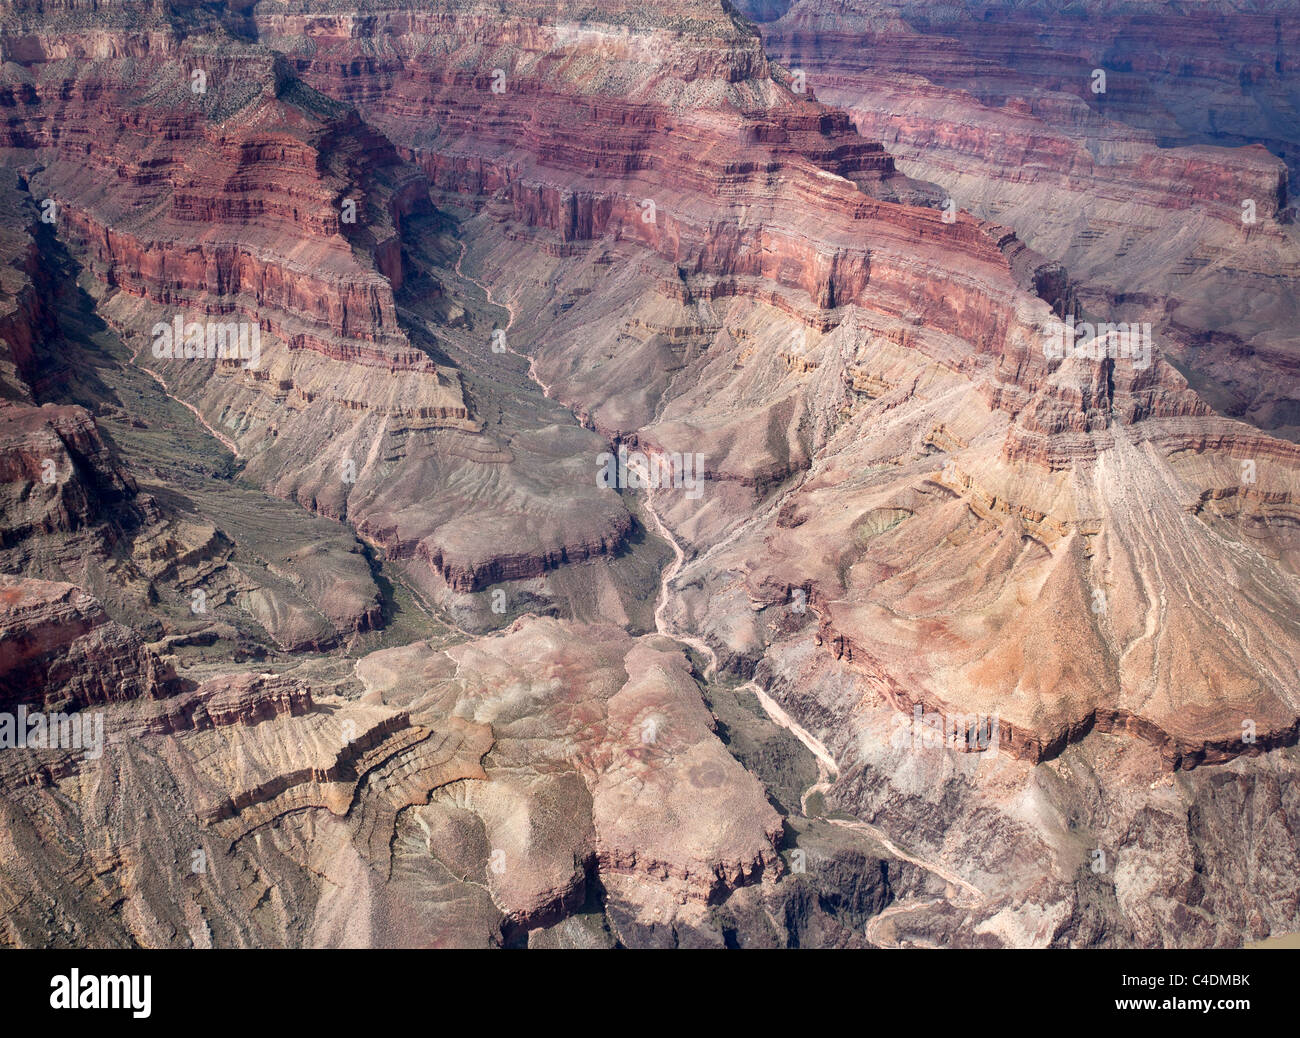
(1148, 147)
(678, 479)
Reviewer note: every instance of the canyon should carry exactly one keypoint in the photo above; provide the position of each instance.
(382, 661)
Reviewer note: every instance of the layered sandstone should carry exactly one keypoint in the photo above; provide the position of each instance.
(57, 477)
(1156, 215)
(74, 508)
(814, 191)
(61, 651)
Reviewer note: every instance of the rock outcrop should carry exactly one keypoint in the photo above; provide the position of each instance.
(605, 769)
(73, 507)
(60, 651)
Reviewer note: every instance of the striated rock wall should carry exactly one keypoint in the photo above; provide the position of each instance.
(586, 157)
(1160, 211)
(205, 202)
(61, 651)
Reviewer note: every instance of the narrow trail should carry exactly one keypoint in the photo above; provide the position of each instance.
(679, 564)
(510, 312)
(906, 907)
(827, 771)
(969, 893)
(229, 444)
(669, 574)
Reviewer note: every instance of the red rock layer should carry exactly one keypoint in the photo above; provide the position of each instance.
(57, 476)
(584, 158)
(25, 317)
(822, 227)
(1133, 188)
(61, 442)
(230, 201)
(61, 651)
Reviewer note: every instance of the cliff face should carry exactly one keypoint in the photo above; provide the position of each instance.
(1168, 62)
(74, 510)
(59, 472)
(1155, 205)
(585, 129)
(61, 651)
(193, 171)
(63, 492)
